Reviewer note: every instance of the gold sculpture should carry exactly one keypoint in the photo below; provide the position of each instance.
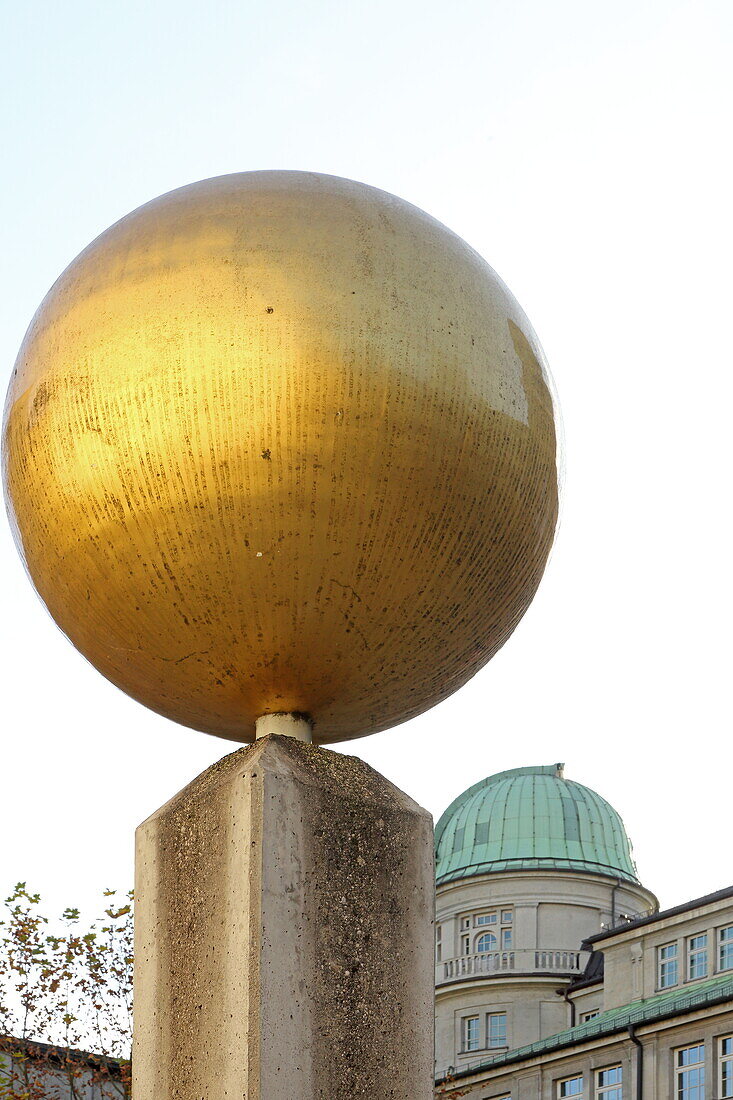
(278, 441)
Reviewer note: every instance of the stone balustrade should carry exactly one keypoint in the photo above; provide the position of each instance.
(521, 961)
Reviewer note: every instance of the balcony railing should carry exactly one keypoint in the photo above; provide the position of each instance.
(524, 961)
(622, 920)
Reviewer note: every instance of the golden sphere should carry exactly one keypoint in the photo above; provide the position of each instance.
(279, 441)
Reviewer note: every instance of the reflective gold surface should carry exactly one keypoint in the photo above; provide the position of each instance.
(282, 442)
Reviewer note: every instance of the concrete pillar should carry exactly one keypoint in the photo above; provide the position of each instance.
(284, 934)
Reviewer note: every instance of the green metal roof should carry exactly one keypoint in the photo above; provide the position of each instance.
(531, 818)
(663, 1005)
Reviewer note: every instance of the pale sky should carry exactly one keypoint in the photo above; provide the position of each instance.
(583, 147)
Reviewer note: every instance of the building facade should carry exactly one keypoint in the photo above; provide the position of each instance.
(556, 974)
(37, 1071)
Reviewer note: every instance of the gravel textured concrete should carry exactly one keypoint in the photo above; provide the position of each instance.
(284, 940)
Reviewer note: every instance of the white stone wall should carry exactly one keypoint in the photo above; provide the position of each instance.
(552, 914)
(538, 1078)
(587, 1000)
(631, 957)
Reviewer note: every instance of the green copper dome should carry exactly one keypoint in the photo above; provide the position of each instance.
(531, 819)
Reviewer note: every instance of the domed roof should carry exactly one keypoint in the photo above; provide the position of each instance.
(531, 819)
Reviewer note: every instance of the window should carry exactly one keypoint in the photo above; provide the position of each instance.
(438, 943)
(496, 1029)
(485, 943)
(506, 939)
(697, 957)
(609, 1083)
(470, 1033)
(465, 922)
(571, 1086)
(586, 1017)
(725, 948)
(466, 945)
(690, 1073)
(726, 1067)
(667, 966)
(504, 918)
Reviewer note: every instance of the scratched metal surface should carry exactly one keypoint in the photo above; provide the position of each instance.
(280, 441)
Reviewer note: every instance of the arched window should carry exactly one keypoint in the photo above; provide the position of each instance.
(485, 943)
